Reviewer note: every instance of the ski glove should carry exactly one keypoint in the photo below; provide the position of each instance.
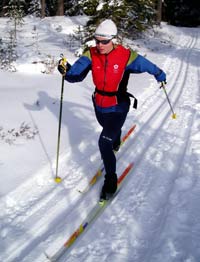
(62, 66)
(160, 76)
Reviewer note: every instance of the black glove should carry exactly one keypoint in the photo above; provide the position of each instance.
(62, 66)
(163, 83)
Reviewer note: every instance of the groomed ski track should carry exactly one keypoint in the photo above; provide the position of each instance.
(150, 200)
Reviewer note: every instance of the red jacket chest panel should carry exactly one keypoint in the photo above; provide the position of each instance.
(107, 72)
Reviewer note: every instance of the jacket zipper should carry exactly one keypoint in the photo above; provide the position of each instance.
(105, 67)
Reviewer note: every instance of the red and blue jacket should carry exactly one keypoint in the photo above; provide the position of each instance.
(110, 74)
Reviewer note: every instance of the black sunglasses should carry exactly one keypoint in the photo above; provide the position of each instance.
(103, 42)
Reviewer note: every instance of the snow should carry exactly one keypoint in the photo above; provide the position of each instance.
(156, 215)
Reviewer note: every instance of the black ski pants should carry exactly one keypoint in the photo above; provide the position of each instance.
(110, 135)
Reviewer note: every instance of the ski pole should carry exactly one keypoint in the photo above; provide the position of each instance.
(57, 178)
(173, 114)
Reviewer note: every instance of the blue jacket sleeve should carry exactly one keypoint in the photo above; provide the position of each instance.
(78, 71)
(141, 65)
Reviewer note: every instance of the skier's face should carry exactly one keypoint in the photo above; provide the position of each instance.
(104, 46)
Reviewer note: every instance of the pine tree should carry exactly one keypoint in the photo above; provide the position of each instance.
(8, 52)
(35, 8)
(88, 7)
(73, 7)
(131, 17)
(15, 11)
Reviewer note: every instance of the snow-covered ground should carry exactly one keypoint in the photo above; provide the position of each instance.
(156, 215)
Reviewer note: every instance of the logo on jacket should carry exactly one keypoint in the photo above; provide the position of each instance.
(115, 67)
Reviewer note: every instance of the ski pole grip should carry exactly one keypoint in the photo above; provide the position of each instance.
(63, 59)
(63, 62)
(62, 67)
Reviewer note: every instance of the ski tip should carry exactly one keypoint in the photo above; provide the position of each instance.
(58, 179)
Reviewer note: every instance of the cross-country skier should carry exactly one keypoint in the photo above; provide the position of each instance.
(111, 64)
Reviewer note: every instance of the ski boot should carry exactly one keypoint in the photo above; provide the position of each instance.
(109, 187)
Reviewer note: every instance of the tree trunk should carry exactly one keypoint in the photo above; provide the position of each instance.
(60, 8)
(159, 11)
(43, 6)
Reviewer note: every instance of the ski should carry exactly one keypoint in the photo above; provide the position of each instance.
(100, 170)
(93, 215)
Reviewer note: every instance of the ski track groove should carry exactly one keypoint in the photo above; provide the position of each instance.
(160, 222)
